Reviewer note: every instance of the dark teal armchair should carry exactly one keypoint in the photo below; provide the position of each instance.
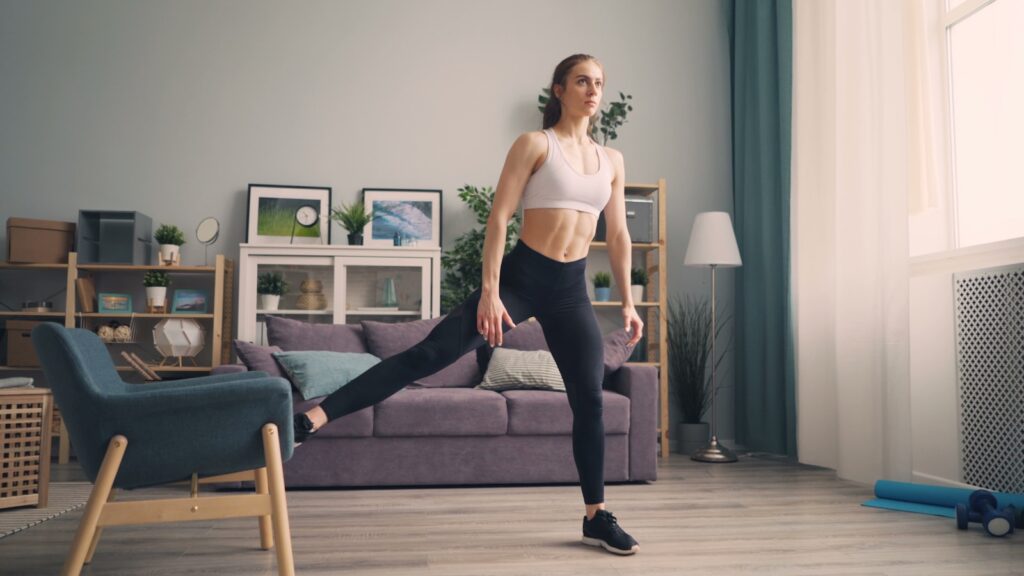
(210, 429)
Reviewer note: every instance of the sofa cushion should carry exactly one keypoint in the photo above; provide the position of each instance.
(385, 339)
(358, 424)
(320, 372)
(441, 412)
(292, 335)
(511, 369)
(539, 412)
(256, 357)
(530, 336)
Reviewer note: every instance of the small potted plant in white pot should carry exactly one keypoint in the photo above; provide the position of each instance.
(602, 286)
(156, 284)
(270, 287)
(638, 281)
(170, 238)
(353, 219)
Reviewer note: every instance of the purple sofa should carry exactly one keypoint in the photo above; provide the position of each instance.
(443, 431)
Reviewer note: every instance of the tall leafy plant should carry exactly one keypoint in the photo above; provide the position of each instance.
(609, 120)
(689, 351)
(463, 263)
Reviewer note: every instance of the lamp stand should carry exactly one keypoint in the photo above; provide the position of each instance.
(713, 452)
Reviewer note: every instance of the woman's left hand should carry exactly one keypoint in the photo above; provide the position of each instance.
(634, 325)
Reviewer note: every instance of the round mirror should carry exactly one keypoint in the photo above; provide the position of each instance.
(208, 230)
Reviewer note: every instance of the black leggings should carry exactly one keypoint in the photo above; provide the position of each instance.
(531, 284)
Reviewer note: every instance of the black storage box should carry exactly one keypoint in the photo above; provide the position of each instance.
(114, 237)
(639, 221)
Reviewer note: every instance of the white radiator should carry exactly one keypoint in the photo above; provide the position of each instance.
(990, 376)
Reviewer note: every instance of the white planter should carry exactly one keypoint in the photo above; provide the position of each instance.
(156, 295)
(269, 301)
(170, 254)
(638, 293)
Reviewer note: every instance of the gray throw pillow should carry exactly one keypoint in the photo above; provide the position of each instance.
(511, 369)
(256, 357)
(529, 335)
(318, 373)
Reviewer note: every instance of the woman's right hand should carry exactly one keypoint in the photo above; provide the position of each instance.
(489, 317)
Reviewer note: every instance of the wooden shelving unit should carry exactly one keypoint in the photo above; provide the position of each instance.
(656, 321)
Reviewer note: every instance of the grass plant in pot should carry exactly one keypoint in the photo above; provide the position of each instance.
(638, 281)
(156, 284)
(270, 286)
(170, 238)
(689, 350)
(602, 286)
(353, 218)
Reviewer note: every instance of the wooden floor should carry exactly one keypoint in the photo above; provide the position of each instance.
(761, 516)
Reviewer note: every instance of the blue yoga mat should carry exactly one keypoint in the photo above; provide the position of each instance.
(928, 499)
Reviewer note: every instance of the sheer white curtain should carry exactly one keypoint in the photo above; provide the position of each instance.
(856, 132)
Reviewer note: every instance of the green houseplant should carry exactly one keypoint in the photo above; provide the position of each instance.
(463, 263)
(270, 286)
(638, 281)
(170, 238)
(156, 283)
(353, 218)
(689, 351)
(609, 120)
(602, 286)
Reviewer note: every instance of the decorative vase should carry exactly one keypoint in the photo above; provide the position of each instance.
(156, 295)
(691, 437)
(170, 254)
(389, 297)
(638, 293)
(602, 294)
(312, 297)
(355, 239)
(269, 302)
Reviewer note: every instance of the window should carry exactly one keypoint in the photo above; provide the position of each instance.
(986, 72)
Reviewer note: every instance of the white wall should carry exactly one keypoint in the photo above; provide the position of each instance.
(173, 108)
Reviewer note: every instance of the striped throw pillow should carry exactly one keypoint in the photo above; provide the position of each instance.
(511, 369)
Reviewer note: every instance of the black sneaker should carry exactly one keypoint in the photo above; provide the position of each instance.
(604, 531)
(303, 427)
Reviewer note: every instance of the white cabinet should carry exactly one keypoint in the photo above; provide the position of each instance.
(339, 284)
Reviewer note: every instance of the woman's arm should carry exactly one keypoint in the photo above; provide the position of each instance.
(620, 247)
(523, 155)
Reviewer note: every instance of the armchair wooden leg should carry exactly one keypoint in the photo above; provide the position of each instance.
(96, 536)
(266, 524)
(100, 493)
(278, 503)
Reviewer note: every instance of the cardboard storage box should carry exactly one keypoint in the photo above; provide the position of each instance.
(20, 352)
(39, 241)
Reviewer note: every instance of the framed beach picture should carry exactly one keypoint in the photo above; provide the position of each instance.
(288, 214)
(111, 303)
(414, 216)
(189, 302)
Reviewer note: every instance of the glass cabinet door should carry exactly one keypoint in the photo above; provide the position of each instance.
(308, 291)
(382, 289)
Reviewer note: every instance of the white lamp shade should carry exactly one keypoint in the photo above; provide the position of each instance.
(712, 242)
(178, 337)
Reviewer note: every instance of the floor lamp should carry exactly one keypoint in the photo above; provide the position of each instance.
(713, 245)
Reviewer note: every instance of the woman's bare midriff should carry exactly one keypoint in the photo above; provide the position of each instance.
(558, 233)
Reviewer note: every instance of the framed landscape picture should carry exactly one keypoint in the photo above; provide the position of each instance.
(111, 303)
(189, 302)
(288, 214)
(413, 215)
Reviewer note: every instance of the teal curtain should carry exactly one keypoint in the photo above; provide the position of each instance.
(761, 59)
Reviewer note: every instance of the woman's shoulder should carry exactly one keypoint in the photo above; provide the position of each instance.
(614, 154)
(531, 144)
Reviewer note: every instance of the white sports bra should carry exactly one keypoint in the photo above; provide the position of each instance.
(556, 184)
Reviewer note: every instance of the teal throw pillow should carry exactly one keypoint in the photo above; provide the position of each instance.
(319, 372)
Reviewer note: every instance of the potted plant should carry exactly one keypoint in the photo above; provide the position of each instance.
(156, 284)
(689, 350)
(353, 219)
(638, 281)
(170, 238)
(270, 287)
(602, 286)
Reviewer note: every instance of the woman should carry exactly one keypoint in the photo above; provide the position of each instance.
(564, 180)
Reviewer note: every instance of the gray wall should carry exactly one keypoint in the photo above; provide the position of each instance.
(172, 108)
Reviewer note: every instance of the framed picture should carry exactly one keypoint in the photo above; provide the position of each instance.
(189, 302)
(111, 303)
(288, 214)
(413, 215)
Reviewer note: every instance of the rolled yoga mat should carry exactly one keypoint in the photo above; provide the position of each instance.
(928, 499)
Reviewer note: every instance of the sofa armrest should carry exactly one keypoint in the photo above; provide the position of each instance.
(229, 369)
(640, 385)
